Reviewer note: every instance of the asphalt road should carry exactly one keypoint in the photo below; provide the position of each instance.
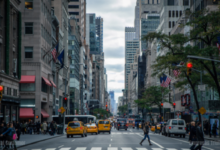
(117, 140)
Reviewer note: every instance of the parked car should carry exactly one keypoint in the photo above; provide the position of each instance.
(175, 127)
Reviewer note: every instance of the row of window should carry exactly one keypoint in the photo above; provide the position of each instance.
(171, 24)
(175, 13)
(153, 2)
(9, 91)
(46, 11)
(45, 34)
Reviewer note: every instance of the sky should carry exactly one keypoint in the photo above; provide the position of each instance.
(117, 15)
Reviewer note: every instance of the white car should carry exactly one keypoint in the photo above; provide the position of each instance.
(176, 127)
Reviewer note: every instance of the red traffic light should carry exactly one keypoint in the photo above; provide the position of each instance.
(189, 65)
(106, 105)
(161, 104)
(65, 99)
(1, 88)
(174, 104)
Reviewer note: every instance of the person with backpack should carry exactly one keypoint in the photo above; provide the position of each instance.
(10, 136)
(146, 133)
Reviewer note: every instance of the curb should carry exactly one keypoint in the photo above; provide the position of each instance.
(40, 141)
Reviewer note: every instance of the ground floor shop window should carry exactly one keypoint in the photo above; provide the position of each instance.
(14, 113)
(7, 114)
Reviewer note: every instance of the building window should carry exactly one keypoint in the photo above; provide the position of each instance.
(29, 28)
(170, 2)
(28, 4)
(27, 87)
(173, 13)
(169, 13)
(73, 6)
(177, 13)
(74, 13)
(14, 92)
(43, 86)
(28, 52)
(185, 2)
(169, 24)
(152, 1)
(8, 91)
(180, 13)
(173, 23)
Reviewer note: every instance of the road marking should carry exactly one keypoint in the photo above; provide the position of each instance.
(157, 148)
(171, 149)
(141, 148)
(96, 148)
(60, 146)
(185, 149)
(110, 145)
(154, 143)
(66, 148)
(188, 142)
(73, 140)
(50, 149)
(126, 148)
(80, 148)
(112, 148)
(111, 139)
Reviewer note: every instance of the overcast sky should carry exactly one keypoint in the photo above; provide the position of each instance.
(117, 15)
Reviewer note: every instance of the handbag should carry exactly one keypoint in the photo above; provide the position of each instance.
(15, 136)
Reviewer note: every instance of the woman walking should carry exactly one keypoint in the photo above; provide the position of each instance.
(200, 136)
(10, 133)
(146, 133)
(192, 135)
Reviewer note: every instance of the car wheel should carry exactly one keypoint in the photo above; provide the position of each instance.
(168, 134)
(67, 136)
(126, 129)
(109, 132)
(83, 135)
(71, 136)
(183, 136)
(133, 127)
(97, 133)
(86, 135)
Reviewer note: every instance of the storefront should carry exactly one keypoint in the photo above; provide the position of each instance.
(9, 109)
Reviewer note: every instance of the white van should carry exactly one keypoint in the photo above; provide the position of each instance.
(176, 127)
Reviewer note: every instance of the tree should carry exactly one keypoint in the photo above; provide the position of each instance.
(205, 26)
(123, 109)
(153, 96)
(101, 113)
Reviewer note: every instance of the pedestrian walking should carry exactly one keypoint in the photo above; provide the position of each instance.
(10, 136)
(23, 126)
(155, 131)
(214, 129)
(199, 136)
(52, 128)
(192, 135)
(209, 130)
(2, 130)
(146, 133)
(18, 130)
(45, 127)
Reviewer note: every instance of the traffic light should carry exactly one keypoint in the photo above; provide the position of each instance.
(189, 66)
(174, 105)
(1, 92)
(106, 106)
(161, 104)
(64, 99)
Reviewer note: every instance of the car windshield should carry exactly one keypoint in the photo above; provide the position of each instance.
(103, 122)
(74, 124)
(181, 122)
(91, 125)
(174, 122)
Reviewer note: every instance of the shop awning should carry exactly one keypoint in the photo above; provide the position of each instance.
(47, 81)
(27, 79)
(54, 85)
(44, 113)
(26, 113)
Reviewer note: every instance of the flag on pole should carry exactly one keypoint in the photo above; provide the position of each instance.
(54, 53)
(164, 81)
(177, 72)
(61, 58)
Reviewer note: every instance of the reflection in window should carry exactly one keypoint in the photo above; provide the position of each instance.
(28, 4)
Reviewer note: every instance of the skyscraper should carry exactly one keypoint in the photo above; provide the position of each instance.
(137, 20)
(92, 34)
(99, 32)
(131, 45)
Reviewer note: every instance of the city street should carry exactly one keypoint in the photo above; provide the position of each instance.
(117, 140)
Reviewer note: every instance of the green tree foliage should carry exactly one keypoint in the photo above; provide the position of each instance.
(204, 31)
(122, 109)
(153, 96)
(101, 113)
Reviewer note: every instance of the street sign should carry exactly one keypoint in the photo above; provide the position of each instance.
(201, 87)
(202, 110)
(62, 110)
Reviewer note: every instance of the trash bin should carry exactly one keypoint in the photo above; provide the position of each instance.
(60, 129)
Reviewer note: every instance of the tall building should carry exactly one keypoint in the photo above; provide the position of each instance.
(112, 97)
(10, 59)
(137, 20)
(78, 8)
(99, 32)
(131, 44)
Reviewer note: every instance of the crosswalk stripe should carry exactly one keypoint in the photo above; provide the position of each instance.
(157, 148)
(126, 148)
(50, 149)
(112, 148)
(141, 148)
(185, 149)
(80, 148)
(96, 148)
(171, 149)
(66, 148)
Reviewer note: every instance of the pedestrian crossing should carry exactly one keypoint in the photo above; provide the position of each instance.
(110, 148)
(131, 133)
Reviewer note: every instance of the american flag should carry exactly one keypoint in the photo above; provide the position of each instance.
(54, 53)
(177, 72)
(165, 81)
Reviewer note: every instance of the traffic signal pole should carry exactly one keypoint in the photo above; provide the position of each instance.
(174, 98)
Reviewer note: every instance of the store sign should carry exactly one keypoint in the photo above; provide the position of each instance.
(214, 104)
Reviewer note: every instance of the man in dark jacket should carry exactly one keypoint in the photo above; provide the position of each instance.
(214, 128)
(52, 127)
(199, 136)
(192, 135)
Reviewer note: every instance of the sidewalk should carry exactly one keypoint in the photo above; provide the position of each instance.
(217, 139)
(34, 138)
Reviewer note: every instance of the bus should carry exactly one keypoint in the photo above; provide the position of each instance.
(84, 118)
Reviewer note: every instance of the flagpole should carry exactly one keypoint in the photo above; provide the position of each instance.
(47, 52)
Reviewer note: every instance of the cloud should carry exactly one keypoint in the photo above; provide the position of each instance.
(117, 15)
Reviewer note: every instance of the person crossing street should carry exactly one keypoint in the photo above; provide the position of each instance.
(146, 133)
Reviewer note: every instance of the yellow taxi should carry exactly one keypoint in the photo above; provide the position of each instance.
(92, 128)
(76, 128)
(104, 126)
(153, 128)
